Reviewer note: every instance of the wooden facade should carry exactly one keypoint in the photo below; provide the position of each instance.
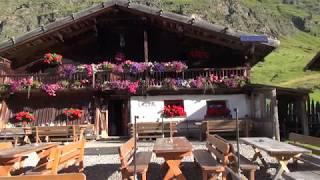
(141, 32)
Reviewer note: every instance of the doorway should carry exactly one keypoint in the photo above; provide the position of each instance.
(117, 118)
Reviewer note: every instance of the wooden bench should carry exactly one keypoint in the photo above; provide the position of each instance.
(13, 135)
(57, 133)
(55, 159)
(223, 126)
(150, 130)
(68, 176)
(298, 140)
(225, 157)
(209, 164)
(126, 153)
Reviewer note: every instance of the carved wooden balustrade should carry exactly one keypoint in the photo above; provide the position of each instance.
(152, 79)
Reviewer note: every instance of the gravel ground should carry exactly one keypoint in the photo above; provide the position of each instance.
(102, 161)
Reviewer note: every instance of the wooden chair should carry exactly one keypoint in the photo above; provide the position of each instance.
(68, 176)
(223, 126)
(72, 152)
(246, 165)
(48, 163)
(5, 145)
(55, 159)
(149, 130)
(209, 164)
(126, 153)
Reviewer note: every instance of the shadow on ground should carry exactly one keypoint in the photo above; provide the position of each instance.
(100, 171)
(189, 170)
(94, 151)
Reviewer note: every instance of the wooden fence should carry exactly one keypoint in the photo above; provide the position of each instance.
(313, 114)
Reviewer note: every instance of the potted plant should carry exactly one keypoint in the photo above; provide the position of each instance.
(23, 118)
(72, 114)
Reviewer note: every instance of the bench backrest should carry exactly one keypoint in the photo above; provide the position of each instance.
(53, 130)
(155, 126)
(49, 160)
(5, 145)
(67, 176)
(12, 131)
(126, 151)
(303, 139)
(225, 125)
(219, 148)
(71, 151)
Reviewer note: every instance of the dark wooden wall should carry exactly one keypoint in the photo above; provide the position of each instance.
(48, 109)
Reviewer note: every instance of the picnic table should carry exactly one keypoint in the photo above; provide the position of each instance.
(9, 157)
(283, 152)
(173, 150)
(310, 175)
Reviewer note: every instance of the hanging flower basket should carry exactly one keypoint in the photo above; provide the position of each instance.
(52, 59)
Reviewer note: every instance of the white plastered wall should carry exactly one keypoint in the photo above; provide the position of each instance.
(149, 108)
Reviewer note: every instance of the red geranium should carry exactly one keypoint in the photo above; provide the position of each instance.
(52, 59)
(24, 117)
(73, 114)
(173, 111)
(221, 111)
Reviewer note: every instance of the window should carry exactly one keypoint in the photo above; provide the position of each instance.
(173, 108)
(217, 109)
(173, 102)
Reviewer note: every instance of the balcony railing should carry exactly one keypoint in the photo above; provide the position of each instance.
(152, 79)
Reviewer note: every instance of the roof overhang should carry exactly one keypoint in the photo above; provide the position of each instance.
(196, 28)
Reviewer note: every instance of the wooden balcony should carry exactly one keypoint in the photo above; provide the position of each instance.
(152, 79)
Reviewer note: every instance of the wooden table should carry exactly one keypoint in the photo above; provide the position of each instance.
(283, 152)
(310, 175)
(9, 157)
(173, 150)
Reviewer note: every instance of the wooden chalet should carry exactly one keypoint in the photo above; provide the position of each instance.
(142, 34)
(314, 64)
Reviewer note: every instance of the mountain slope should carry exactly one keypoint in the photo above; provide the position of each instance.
(295, 22)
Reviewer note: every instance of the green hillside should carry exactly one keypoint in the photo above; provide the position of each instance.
(295, 22)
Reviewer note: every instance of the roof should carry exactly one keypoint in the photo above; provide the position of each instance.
(218, 34)
(281, 90)
(314, 64)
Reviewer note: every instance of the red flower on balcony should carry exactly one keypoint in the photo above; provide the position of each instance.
(52, 59)
(173, 111)
(24, 117)
(73, 114)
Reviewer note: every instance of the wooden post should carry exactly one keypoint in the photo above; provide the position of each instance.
(145, 43)
(274, 115)
(97, 118)
(303, 115)
(252, 106)
(104, 122)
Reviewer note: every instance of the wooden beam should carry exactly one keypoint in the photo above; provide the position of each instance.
(303, 115)
(274, 115)
(145, 44)
(59, 36)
